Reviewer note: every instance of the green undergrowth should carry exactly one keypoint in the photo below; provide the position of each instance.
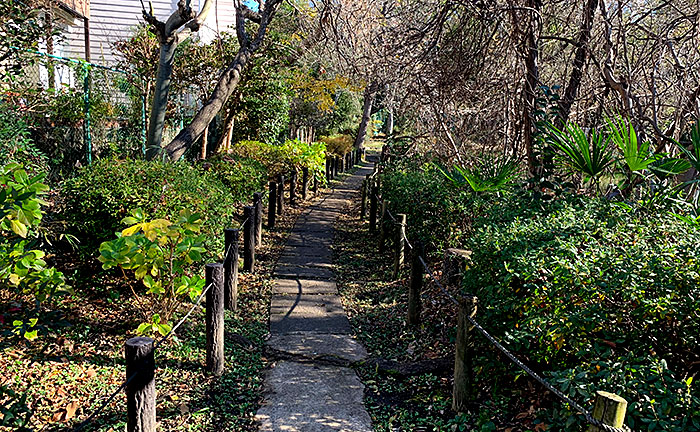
(591, 294)
(68, 372)
(96, 200)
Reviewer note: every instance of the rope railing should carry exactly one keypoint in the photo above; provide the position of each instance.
(126, 382)
(221, 290)
(587, 415)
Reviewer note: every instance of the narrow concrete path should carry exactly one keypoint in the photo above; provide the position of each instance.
(308, 324)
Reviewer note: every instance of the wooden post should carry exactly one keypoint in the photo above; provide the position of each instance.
(414, 290)
(214, 275)
(316, 184)
(257, 203)
(328, 171)
(293, 187)
(280, 195)
(272, 206)
(382, 227)
(374, 191)
(364, 155)
(400, 244)
(363, 207)
(464, 390)
(231, 239)
(249, 239)
(304, 183)
(610, 409)
(453, 266)
(141, 391)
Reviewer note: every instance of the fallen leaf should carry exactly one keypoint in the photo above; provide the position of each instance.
(184, 408)
(71, 408)
(90, 373)
(541, 427)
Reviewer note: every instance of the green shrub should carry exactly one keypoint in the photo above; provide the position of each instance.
(597, 297)
(100, 196)
(282, 158)
(23, 269)
(16, 145)
(437, 211)
(338, 144)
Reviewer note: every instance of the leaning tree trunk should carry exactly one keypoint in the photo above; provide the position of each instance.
(579, 62)
(160, 99)
(223, 90)
(370, 94)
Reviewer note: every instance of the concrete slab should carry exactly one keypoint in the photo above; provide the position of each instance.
(296, 272)
(307, 260)
(304, 286)
(344, 347)
(308, 398)
(308, 313)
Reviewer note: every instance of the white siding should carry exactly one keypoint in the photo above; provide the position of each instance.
(115, 20)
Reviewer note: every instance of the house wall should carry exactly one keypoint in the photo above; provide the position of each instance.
(113, 20)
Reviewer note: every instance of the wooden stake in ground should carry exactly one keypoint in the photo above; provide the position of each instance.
(464, 390)
(214, 275)
(141, 391)
(231, 240)
(610, 409)
(272, 205)
(416, 286)
(249, 239)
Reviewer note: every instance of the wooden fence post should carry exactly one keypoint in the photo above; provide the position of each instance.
(610, 409)
(464, 390)
(272, 205)
(293, 187)
(280, 195)
(304, 183)
(363, 207)
(249, 239)
(257, 203)
(214, 276)
(364, 155)
(327, 170)
(316, 184)
(453, 266)
(231, 239)
(141, 391)
(414, 290)
(374, 191)
(400, 244)
(382, 227)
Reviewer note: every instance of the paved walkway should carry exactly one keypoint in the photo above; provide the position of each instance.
(310, 328)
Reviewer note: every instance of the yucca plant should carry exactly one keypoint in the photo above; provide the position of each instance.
(636, 154)
(588, 154)
(487, 175)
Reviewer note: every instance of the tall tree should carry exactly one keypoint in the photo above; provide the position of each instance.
(230, 77)
(175, 30)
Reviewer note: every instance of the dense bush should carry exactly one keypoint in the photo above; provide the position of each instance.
(591, 293)
(338, 144)
(600, 298)
(16, 144)
(279, 159)
(99, 197)
(437, 212)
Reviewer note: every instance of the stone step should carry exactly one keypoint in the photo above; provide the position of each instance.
(308, 313)
(309, 398)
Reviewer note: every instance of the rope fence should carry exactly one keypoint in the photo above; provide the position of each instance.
(221, 292)
(609, 410)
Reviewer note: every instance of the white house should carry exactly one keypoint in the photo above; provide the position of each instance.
(111, 20)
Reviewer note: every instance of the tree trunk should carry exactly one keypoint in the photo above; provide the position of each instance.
(579, 61)
(224, 88)
(390, 123)
(160, 99)
(531, 83)
(370, 94)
